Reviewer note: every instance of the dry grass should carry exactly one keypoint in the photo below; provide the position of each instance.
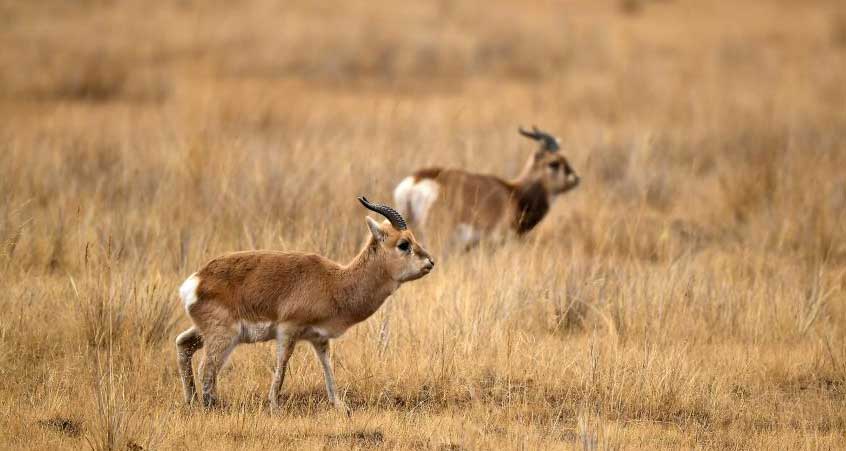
(689, 294)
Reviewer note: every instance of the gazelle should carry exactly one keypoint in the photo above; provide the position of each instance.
(255, 296)
(462, 207)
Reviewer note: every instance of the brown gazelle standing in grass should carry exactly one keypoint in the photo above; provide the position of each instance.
(458, 207)
(255, 296)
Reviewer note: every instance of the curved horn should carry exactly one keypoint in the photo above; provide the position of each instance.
(528, 134)
(548, 142)
(386, 211)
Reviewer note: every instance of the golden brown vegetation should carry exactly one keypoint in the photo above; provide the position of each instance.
(690, 293)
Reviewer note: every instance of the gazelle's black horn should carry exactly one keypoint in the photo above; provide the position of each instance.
(528, 134)
(386, 211)
(548, 141)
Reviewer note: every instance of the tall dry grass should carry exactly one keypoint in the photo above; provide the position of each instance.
(689, 294)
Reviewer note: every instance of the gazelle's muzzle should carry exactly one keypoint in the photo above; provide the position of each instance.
(428, 265)
(573, 180)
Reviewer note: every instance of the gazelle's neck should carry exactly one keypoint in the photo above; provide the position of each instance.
(530, 204)
(530, 200)
(365, 284)
(523, 178)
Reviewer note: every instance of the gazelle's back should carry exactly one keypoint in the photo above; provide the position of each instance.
(260, 285)
(474, 199)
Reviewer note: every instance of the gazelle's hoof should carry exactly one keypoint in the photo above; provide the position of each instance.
(209, 400)
(275, 405)
(341, 406)
(192, 402)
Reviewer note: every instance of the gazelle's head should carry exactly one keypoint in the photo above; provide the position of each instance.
(404, 257)
(548, 165)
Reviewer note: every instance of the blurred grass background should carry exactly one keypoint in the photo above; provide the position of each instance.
(690, 293)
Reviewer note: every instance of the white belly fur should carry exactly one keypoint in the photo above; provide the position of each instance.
(256, 332)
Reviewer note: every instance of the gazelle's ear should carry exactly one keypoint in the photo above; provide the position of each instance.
(375, 230)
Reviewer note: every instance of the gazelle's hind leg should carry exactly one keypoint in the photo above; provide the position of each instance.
(219, 343)
(187, 343)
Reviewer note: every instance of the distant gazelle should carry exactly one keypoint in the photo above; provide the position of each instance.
(458, 207)
(255, 296)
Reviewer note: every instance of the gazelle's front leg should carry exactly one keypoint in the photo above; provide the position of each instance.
(285, 343)
(321, 348)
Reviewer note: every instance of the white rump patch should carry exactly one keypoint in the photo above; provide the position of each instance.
(415, 199)
(402, 196)
(188, 291)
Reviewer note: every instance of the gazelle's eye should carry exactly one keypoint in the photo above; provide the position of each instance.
(404, 246)
(554, 165)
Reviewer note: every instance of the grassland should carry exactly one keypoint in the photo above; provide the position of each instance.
(689, 294)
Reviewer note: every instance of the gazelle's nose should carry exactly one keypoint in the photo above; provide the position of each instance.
(430, 263)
